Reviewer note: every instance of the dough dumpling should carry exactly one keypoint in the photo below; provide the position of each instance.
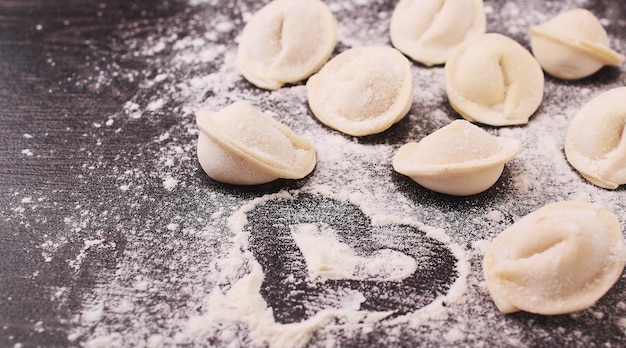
(362, 91)
(559, 259)
(428, 30)
(285, 42)
(572, 45)
(493, 80)
(459, 159)
(241, 145)
(595, 143)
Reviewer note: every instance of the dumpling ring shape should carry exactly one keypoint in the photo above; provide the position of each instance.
(572, 45)
(595, 143)
(428, 30)
(459, 159)
(285, 42)
(491, 79)
(240, 145)
(362, 91)
(559, 259)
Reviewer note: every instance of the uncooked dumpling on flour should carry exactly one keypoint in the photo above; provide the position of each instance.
(241, 145)
(492, 79)
(428, 30)
(459, 159)
(572, 45)
(362, 91)
(285, 42)
(559, 259)
(595, 143)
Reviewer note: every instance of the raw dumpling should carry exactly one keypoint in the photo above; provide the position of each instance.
(559, 259)
(595, 143)
(428, 30)
(240, 145)
(285, 42)
(362, 91)
(572, 45)
(459, 159)
(493, 80)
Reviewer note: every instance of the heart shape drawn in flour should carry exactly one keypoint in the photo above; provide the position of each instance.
(314, 250)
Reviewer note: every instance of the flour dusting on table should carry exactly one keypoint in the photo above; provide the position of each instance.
(194, 270)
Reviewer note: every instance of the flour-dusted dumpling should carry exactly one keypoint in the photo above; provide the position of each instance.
(428, 30)
(492, 79)
(595, 143)
(241, 145)
(362, 91)
(559, 259)
(459, 159)
(572, 45)
(285, 42)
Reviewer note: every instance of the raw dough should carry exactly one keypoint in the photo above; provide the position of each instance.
(559, 259)
(572, 45)
(428, 30)
(285, 42)
(493, 80)
(459, 159)
(240, 145)
(362, 91)
(595, 143)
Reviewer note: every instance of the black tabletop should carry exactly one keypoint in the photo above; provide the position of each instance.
(112, 235)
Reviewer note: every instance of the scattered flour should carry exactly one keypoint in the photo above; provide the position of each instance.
(327, 258)
(170, 183)
(180, 268)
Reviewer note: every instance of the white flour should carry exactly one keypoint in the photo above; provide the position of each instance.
(240, 300)
(189, 269)
(327, 258)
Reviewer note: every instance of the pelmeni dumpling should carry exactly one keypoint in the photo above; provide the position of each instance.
(459, 159)
(285, 42)
(572, 45)
(362, 91)
(492, 79)
(559, 259)
(428, 30)
(595, 143)
(241, 145)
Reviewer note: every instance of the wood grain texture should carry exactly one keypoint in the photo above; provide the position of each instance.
(45, 46)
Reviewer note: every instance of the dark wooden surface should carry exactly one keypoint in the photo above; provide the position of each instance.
(50, 55)
(46, 47)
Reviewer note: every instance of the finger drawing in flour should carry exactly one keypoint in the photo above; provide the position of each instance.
(312, 260)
